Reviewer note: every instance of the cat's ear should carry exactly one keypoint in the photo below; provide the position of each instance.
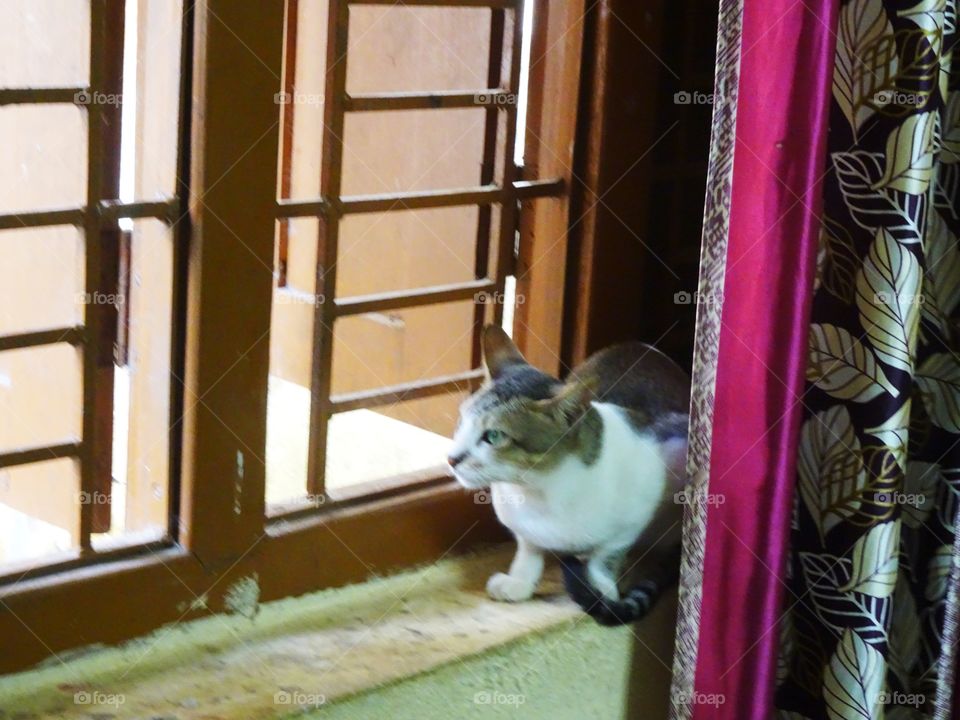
(573, 400)
(499, 352)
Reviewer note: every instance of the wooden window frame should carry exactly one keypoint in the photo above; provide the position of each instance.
(232, 54)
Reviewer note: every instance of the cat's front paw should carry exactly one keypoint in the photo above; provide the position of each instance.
(507, 588)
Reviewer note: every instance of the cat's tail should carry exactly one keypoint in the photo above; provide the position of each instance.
(633, 604)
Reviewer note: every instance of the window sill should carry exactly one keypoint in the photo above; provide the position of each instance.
(296, 653)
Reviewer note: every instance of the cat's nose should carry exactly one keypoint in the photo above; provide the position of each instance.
(454, 460)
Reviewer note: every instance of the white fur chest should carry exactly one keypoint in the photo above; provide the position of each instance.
(579, 508)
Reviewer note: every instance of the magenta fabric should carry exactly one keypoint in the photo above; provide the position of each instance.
(787, 57)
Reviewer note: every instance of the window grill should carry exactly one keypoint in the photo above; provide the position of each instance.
(507, 191)
(98, 219)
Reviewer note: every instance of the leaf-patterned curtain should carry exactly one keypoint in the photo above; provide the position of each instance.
(873, 533)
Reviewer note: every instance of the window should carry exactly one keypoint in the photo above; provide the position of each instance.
(88, 258)
(301, 255)
(410, 198)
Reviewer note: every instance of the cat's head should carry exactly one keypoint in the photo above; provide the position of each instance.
(520, 423)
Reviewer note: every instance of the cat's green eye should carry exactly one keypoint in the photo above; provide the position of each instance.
(494, 437)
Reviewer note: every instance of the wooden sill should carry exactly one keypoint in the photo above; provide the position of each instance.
(113, 601)
(293, 654)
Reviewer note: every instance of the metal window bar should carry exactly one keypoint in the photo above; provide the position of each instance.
(415, 390)
(374, 102)
(331, 206)
(419, 199)
(37, 338)
(109, 210)
(107, 279)
(20, 96)
(289, 80)
(25, 456)
(94, 318)
(488, 165)
(396, 299)
(510, 207)
(338, 27)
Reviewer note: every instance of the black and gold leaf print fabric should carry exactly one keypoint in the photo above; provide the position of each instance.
(864, 629)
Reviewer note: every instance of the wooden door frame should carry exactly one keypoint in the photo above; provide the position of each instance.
(640, 173)
(609, 140)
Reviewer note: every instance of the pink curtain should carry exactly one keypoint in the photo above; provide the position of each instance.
(786, 64)
(776, 62)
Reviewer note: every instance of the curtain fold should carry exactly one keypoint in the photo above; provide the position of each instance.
(785, 65)
(713, 254)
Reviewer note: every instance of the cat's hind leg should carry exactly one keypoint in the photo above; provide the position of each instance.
(519, 583)
(603, 568)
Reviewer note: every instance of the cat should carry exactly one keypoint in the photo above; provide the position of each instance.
(586, 469)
